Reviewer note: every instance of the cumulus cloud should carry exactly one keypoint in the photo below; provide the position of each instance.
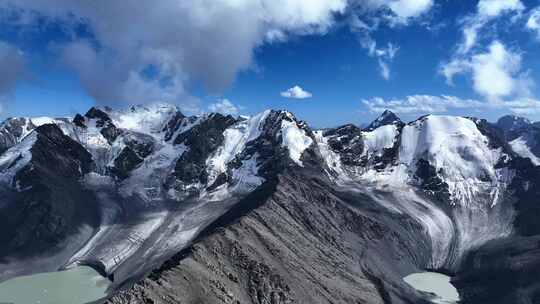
(533, 23)
(496, 73)
(12, 65)
(224, 106)
(296, 92)
(420, 104)
(493, 8)
(142, 50)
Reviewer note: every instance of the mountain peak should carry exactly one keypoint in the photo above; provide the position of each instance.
(386, 118)
(512, 123)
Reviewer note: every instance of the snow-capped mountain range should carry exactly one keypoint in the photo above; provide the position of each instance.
(123, 191)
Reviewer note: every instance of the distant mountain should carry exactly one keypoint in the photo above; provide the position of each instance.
(522, 135)
(510, 123)
(263, 209)
(386, 118)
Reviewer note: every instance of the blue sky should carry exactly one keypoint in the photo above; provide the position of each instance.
(328, 61)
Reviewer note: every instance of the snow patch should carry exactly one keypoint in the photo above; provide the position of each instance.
(150, 119)
(295, 140)
(236, 138)
(520, 146)
(379, 139)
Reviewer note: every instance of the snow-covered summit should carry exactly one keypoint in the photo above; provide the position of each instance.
(454, 149)
(386, 118)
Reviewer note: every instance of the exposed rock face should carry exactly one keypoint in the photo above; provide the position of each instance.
(51, 204)
(203, 140)
(347, 141)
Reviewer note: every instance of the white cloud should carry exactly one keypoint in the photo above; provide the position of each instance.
(296, 92)
(496, 73)
(493, 8)
(405, 9)
(533, 23)
(384, 55)
(384, 70)
(420, 104)
(205, 41)
(224, 106)
(486, 11)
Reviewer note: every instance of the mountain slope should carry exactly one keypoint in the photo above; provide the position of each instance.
(260, 209)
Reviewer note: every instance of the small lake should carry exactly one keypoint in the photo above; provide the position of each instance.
(435, 283)
(78, 285)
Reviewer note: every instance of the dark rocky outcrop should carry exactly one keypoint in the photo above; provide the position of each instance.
(430, 182)
(347, 141)
(201, 140)
(125, 162)
(51, 204)
(502, 272)
(103, 121)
